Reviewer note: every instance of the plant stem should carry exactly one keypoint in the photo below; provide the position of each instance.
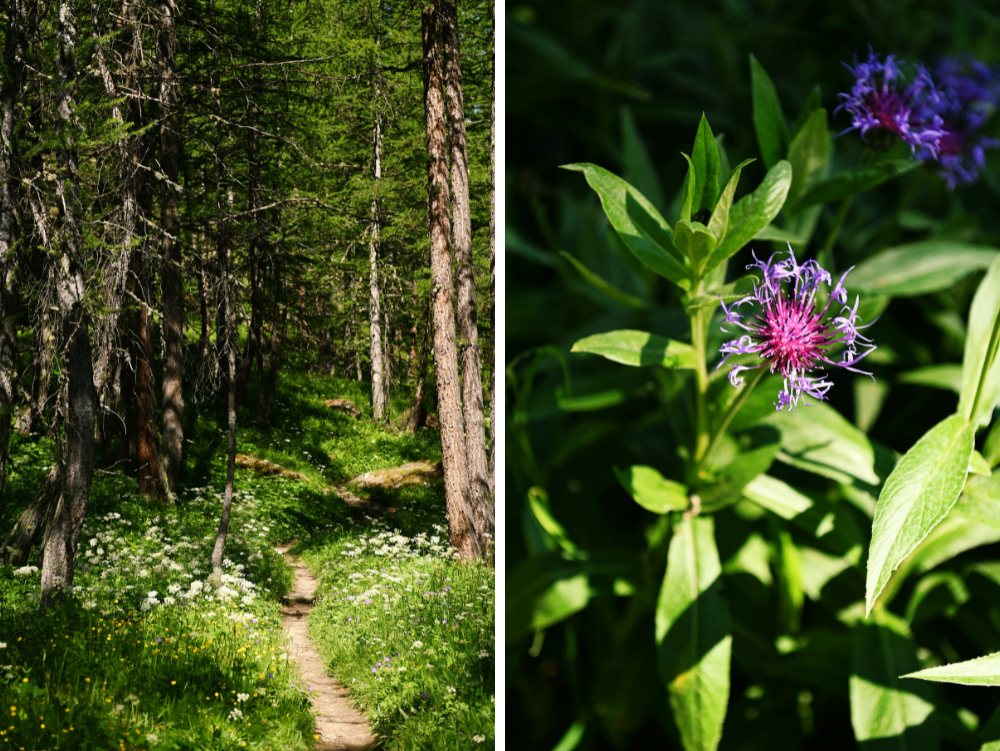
(730, 414)
(699, 326)
(838, 223)
(990, 356)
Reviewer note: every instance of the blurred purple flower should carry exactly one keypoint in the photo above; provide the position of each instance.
(969, 94)
(790, 334)
(875, 104)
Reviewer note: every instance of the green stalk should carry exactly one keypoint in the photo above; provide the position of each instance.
(731, 413)
(838, 223)
(699, 326)
(991, 353)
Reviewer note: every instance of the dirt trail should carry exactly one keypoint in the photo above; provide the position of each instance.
(339, 725)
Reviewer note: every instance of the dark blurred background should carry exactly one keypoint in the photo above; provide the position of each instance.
(574, 71)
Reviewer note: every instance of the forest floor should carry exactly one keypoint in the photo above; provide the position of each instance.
(150, 656)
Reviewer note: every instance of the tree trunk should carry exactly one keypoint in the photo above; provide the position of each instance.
(468, 330)
(148, 444)
(170, 249)
(462, 532)
(78, 450)
(493, 279)
(416, 417)
(18, 543)
(14, 55)
(378, 373)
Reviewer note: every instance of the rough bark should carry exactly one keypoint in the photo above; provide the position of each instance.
(493, 280)
(78, 444)
(374, 303)
(170, 251)
(265, 399)
(460, 520)
(147, 436)
(17, 545)
(468, 329)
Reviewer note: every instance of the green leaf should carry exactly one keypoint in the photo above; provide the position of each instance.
(694, 242)
(637, 222)
(689, 190)
(770, 232)
(572, 737)
(545, 589)
(718, 224)
(980, 366)
(991, 448)
(733, 291)
(819, 568)
(937, 593)
(916, 497)
(638, 348)
(978, 465)
(790, 580)
(784, 501)
(608, 290)
(854, 181)
(820, 440)
(693, 636)
(991, 735)
(752, 558)
(885, 713)
(768, 119)
(638, 167)
(812, 102)
(732, 478)
(653, 491)
(807, 154)
(982, 671)
(752, 213)
(947, 377)
(919, 268)
(538, 503)
(705, 157)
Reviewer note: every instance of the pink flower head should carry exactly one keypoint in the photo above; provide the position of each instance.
(788, 332)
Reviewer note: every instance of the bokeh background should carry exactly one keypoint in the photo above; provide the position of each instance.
(574, 71)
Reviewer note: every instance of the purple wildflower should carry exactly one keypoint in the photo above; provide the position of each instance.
(969, 94)
(790, 333)
(876, 105)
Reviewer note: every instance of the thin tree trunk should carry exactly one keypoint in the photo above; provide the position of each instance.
(170, 249)
(148, 446)
(460, 521)
(230, 346)
(480, 497)
(417, 415)
(265, 396)
(17, 545)
(14, 54)
(78, 451)
(493, 337)
(378, 372)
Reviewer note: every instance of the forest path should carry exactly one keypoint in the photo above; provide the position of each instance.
(338, 724)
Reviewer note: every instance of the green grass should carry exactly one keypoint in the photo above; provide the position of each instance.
(208, 669)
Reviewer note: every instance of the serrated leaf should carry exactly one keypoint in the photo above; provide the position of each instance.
(638, 348)
(604, 287)
(752, 213)
(916, 497)
(638, 167)
(982, 671)
(919, 268)
(807, 154)
(705, 157)
(886, 714)
(544, 590)
(718, 224)
(768, 119)
(693, 638)
(653, 491)
(854, 181)
(694, 242)
(637, 222)
(981, 366)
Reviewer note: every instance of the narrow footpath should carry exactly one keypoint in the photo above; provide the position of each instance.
(338, 724)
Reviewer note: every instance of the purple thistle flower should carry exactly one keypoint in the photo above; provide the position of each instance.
(875, 104)
(969, 94)
(790, 334)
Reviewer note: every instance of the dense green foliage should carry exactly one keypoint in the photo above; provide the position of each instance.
(689, 567)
